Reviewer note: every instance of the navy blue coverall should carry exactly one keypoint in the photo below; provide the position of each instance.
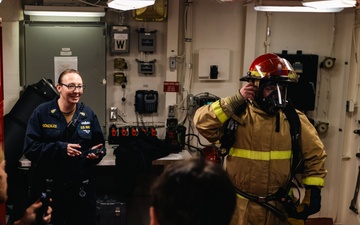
(45, 146)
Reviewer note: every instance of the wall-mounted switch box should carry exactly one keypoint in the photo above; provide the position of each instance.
(113, 113)
(214, 64)
(147, 41)
(171, 111)
(172, 62)
(146, 67)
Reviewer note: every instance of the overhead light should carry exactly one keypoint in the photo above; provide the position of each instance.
(295, 9)
(291, 6)
(63, 11)
(222, 1)
(129, 4)
(329, 3)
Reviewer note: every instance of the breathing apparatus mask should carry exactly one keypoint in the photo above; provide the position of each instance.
(271, 96)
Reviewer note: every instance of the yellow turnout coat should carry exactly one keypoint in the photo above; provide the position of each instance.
(259, 161)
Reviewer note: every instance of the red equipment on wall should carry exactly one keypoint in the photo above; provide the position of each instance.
(211, 153)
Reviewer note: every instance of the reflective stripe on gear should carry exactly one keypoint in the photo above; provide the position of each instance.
(215, 106)
(258, 155)
(316, 181)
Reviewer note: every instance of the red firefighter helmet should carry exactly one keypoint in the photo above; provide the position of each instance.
(271, 67)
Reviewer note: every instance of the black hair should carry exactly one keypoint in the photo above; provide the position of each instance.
(193, 192)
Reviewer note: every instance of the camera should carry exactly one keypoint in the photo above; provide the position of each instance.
(96, 151)
(45, 199)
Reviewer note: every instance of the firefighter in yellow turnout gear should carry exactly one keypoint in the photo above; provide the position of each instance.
(259, 161)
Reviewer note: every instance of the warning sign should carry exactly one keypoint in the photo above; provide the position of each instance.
(171, 86)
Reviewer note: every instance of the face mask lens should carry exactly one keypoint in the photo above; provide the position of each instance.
(278, 96)
(272, 96)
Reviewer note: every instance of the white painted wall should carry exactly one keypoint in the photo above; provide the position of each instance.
(11, 64)
(10, 11)
(243, 31)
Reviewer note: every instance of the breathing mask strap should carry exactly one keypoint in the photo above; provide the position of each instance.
(71, 126)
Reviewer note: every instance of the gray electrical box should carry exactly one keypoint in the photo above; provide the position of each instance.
(146, 67)
(147, 41)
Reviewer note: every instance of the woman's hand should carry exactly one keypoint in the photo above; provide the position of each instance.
(72, 150)
(93, 155)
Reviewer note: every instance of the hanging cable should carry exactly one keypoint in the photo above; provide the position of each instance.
(268, 32)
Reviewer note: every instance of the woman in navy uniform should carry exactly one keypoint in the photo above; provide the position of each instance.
(61, 138)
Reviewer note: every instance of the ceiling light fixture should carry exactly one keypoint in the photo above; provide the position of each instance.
(295, 9)
(63, 11)
(129, 4)
(222, 1)
(290, 6)
(329, 4)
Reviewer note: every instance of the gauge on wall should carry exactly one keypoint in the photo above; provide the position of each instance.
(327, 63)
(156, 12)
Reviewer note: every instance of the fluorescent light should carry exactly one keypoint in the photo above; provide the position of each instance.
(222, 1)
(63, 11)
(330, 4)
(290, 6)
(129, 4)
(295, 9)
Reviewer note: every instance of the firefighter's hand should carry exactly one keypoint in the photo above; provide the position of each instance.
(311, 204)
(248, 91)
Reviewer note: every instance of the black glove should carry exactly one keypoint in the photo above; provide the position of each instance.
(311, 204)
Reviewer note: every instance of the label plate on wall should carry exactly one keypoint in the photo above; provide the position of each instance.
(120, 39)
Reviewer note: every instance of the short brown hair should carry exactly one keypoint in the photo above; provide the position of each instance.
(66, 72)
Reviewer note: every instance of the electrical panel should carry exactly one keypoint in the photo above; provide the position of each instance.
(146, 67)
(303, 93)
(120, 39)
(147, 41)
